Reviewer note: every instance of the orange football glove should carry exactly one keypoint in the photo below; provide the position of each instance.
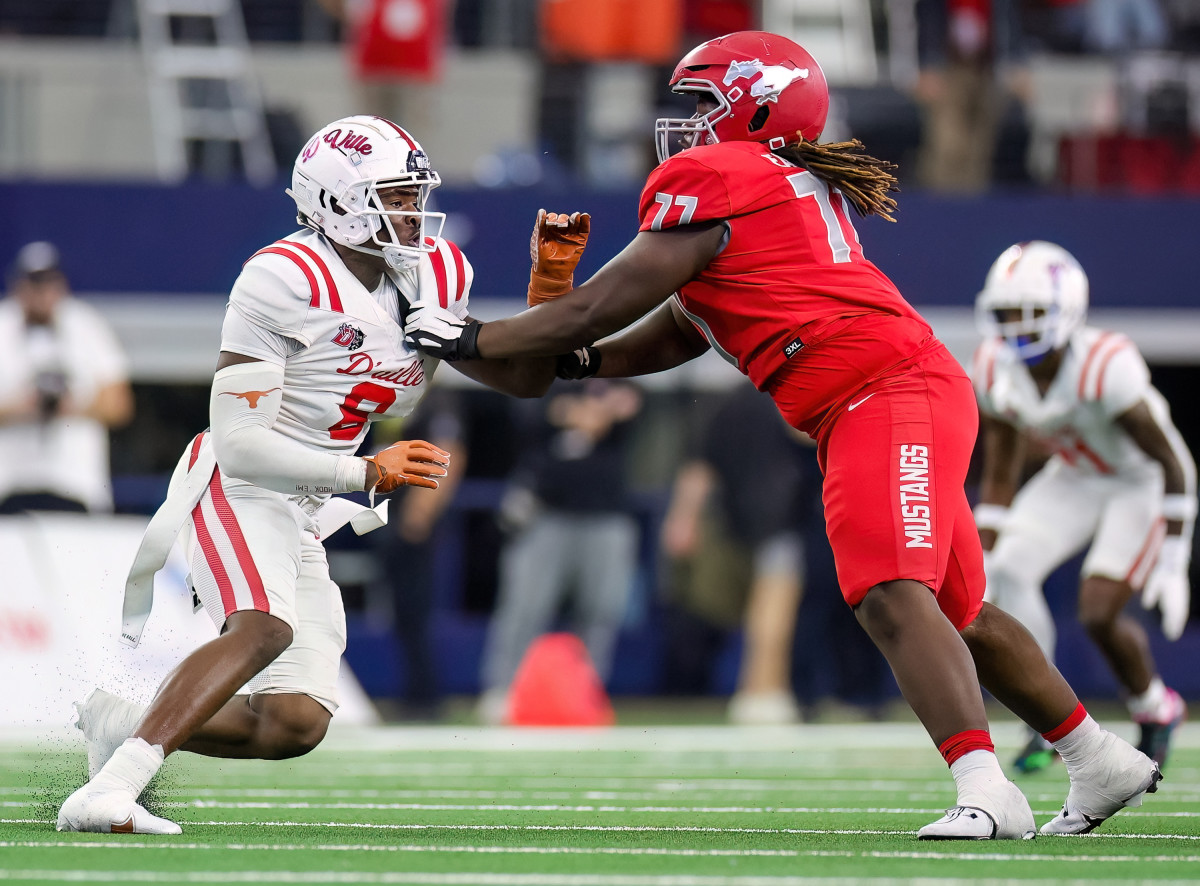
(556, 247)
(409, 463)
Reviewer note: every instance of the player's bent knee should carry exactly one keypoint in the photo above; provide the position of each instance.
(292, 724)
(267, 635)
(887, 606)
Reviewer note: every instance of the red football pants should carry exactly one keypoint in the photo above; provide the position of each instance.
(895, 462)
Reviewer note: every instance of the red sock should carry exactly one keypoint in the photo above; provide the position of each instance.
(964, 742)
(1067, 726)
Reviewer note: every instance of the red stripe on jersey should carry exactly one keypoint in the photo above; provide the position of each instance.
(412, 145)
(458, 270)
(1100, 464)
(335, 300)
(1143, 562)
(211, 556)
(1118, 344)
(240, 548)
(439, 274)
(195, 453)
(1087, 363)
(312, 280)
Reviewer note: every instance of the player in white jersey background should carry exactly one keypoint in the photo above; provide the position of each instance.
(1119, 478)
(312, 350)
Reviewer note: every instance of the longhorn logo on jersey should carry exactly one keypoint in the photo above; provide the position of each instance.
(766, 81)
(251, 397)
(349, 337)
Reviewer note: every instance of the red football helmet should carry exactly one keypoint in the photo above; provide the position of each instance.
(767, 88)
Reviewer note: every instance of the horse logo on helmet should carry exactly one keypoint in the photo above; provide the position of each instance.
(766, 81)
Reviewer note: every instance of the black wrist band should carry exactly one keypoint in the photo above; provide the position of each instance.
(582, 363)
(468, 342)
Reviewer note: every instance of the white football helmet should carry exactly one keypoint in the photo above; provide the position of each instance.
(336, 183)
(1035, 296)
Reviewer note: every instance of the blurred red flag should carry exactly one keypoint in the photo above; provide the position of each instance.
(401, 38)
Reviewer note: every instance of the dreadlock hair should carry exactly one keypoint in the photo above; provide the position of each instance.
(864, 180)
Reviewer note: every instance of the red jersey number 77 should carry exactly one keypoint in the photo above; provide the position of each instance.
(804, 184)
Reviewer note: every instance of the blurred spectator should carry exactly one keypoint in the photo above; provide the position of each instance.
(1124, 25)
(732, 531)
(396, 49)
(970, 57)
(63, 383)
(572, 536)
(1096, 26)
(404, 551)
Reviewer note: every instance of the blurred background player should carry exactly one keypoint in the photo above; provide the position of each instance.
(64, 384)
(746, 246)
(573, 542)
(733, 537)
(1120, 478)
(311, 351)
(406, 556)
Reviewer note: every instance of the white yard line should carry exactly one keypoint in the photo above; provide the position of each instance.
(586, 850)
(715, 739)
(689, 829)
(488, 879)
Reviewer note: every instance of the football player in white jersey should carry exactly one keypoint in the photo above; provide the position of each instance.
(312, 350)
(1119, 477)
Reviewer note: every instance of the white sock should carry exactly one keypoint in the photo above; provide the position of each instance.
(1148, 703)
(126, 716)
(1072, 745)
(973, 772)
(131, 767)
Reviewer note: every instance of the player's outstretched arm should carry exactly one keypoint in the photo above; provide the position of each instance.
(646, 273)
(517, 377)
(1168, 586)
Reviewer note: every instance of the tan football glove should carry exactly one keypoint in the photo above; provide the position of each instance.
(555, 248)
(409, 463)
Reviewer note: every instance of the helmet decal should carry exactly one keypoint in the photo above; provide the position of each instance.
(766, 88)
(418, 161)
(766, 81)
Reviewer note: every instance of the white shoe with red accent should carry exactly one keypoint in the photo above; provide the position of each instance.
(99, 811)
(1114, 775)
(998, 811)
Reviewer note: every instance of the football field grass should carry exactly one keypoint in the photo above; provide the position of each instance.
(660, 806)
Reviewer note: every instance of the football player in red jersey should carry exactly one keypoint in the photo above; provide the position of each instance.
(746, 245)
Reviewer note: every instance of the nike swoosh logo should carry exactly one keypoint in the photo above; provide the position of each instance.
(854, 406)
(125, 827)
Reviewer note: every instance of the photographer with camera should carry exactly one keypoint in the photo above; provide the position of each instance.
(64, 383)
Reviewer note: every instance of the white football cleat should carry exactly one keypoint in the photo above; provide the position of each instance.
(1114, 776)
(999, 812)
(105, 720)
(98, 811)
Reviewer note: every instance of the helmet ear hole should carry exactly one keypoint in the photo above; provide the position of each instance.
(759, 120)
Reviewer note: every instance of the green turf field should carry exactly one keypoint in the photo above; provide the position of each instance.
(661, 806)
